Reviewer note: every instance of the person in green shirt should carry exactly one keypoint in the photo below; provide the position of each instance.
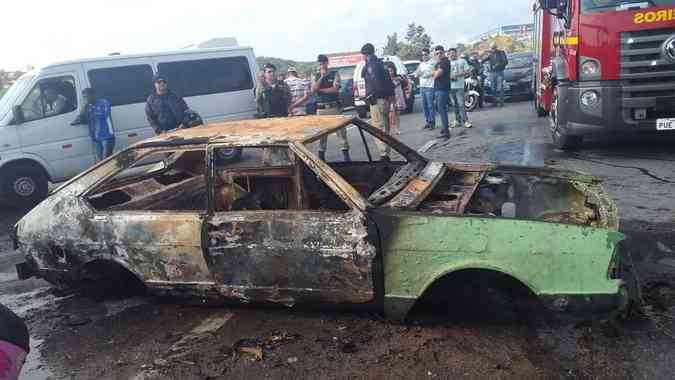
(459, 71)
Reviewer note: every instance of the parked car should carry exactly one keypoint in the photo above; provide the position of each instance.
(517, 77)
(39, 145)
(346, 86)
(360, 86)
(282, 226)
(412, 66)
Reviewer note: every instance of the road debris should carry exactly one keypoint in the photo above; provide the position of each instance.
(256, 347)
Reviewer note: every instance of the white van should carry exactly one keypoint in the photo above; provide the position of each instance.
(360, 85)
(38, 144)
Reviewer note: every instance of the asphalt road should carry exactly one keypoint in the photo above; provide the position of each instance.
(144, 338)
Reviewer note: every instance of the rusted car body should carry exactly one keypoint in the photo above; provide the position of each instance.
(284, 227)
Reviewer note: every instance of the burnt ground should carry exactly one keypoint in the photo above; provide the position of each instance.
(75, 337)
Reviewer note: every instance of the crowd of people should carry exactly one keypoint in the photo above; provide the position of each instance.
(441, 80)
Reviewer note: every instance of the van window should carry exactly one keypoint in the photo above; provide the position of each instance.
(123, 84)
(50, 97)
(208, 76)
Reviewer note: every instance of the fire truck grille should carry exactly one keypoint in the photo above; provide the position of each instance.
(648, 76)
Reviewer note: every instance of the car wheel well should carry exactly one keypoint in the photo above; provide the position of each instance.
(478, 295)
(108, 278)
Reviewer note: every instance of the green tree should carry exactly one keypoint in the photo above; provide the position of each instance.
(393, 45)
(416, 39)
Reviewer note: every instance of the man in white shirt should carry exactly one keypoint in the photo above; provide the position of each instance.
(300, 92)
(425, 73)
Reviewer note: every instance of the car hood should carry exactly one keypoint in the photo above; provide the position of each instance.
(516, 192)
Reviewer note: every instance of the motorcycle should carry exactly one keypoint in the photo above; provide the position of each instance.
(471, 94)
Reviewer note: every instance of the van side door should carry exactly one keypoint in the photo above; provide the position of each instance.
(126, 85)
(48, 109)
(218, 87)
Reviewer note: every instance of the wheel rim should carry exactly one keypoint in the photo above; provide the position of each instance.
(227, 153)
(24, 186)
(469, 101)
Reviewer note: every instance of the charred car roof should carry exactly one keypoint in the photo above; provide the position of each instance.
(256, 132)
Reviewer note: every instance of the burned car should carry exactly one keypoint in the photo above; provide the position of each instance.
(281, 226)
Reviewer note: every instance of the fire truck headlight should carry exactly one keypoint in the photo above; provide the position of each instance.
(590, 98)
(590, 69)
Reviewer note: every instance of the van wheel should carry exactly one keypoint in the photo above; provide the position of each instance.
(224, 156)
(24, 185)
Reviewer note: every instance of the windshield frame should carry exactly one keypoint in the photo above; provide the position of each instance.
(7, 100)
(612, 5)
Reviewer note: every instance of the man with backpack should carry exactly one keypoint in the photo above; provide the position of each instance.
(379, 94)
(498, 62)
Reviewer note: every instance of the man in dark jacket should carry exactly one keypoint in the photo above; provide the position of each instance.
(272, 96)
(164, 109)
(379, 93)
(498, 62)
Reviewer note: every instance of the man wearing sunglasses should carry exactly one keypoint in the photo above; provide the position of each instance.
(164, 109)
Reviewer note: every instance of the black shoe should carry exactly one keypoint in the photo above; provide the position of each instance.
(444, 136)
(427, 126)
(345, 154)
(385, 158)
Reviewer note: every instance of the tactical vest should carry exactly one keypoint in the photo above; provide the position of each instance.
(327, 82)
(274, 104)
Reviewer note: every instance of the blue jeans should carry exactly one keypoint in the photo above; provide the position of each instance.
(497, 81)
(429, 104)
(442, 99)
(457, 97)
(104, 149)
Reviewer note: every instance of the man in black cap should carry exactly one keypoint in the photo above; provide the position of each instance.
(272, 96)
(379, 94)
(164, 109)
(326, 86)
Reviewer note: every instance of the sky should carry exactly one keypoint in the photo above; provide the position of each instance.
(40, 32)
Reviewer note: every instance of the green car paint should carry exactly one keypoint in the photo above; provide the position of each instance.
(551, 259)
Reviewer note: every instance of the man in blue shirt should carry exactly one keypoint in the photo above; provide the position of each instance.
(97, 115)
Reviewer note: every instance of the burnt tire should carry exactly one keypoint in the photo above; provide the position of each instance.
(23, 185)
(559, 135)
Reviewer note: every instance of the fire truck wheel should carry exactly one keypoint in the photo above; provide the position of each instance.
(560, 137)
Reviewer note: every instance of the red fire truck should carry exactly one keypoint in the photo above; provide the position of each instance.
(604, 67)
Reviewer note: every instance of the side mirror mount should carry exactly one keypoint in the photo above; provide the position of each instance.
(17, 114)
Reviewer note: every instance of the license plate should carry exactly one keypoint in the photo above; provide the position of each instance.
(665, 124)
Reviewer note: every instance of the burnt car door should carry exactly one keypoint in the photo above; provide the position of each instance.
(148, 216)
(265, 242)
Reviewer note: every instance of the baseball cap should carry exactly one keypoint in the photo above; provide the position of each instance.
(158, 77)
(322, 58)
(292, 69)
